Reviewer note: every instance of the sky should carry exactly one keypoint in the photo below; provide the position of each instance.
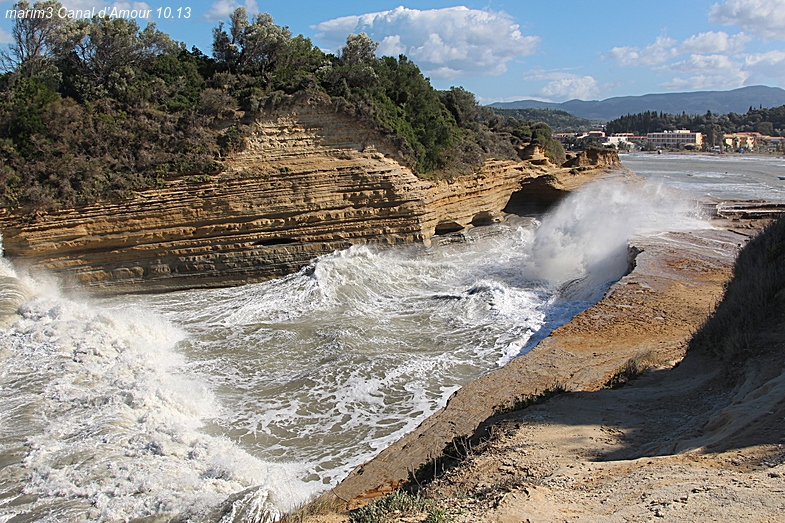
(501, 50)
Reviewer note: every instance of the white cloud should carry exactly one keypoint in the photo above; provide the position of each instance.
(703, 82)
(662, 50)
(5, 37)
(707, 72)
(221, 9)
(765, 18)
(391, 46)
(445, 43)
(563, 85)
(714, 42)
(766, 67)
(705, 61)
(770, 58)
(715, 63)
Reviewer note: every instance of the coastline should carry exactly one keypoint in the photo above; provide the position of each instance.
(310, 182)
(652, 311)
(675, 438)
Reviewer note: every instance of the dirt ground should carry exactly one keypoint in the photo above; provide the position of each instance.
(676, 445)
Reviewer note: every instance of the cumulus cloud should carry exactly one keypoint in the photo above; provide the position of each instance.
(563, 85)
(765, 18)
(706, 82)
(445, 43)
(716, 59)
(765, 67)
(707, 72)
(662, 50)
(705, 63)
(714, 42)
(221, 9)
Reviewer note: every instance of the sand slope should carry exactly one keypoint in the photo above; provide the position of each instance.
(674, 444)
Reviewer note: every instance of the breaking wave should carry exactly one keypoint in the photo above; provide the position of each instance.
(226, 404)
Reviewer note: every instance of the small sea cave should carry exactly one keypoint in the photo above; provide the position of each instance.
(484, 218)
(536, 196)
(275, 241)
(448, 227)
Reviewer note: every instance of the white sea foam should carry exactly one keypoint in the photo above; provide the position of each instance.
(329, 365)
(585, 239)
(232, 402)
(106, 420)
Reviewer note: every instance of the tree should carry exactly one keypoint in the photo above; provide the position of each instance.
(462, 105)
(359, 49)
(37, 38)
(253, 47)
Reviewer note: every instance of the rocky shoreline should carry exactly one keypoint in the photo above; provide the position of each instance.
(310, 181)
(682, 441)
(307, 186)
(652, 311)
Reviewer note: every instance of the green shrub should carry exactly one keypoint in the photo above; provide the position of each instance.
(102, 108)
(397, 505)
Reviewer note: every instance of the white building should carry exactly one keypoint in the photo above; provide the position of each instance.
(675, 138)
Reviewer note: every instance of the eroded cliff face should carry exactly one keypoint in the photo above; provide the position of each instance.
(310, 181)
(594, 158)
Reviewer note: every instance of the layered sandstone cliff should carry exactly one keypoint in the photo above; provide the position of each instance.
(310, 181)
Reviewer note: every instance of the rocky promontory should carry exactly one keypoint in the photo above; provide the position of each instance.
(310, 181)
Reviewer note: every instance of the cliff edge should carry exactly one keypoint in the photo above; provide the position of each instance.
(310, 181)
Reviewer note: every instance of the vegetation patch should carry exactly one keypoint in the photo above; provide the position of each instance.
(527, 400)
(99, 108)
(559, 121)
(633, 369)
(400, 504)
(324, 504)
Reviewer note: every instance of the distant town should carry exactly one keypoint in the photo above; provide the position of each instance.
(682, 140)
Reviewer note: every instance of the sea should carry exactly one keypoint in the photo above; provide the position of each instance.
(242, 403)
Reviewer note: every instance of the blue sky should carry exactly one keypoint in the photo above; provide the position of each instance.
(504, 50)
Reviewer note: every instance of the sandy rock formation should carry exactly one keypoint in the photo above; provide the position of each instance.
(310, 181)
(594, 158)
(533, 153)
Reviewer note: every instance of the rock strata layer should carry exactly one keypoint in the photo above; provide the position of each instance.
(309, 182)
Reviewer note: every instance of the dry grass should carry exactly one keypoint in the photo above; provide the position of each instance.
(633, 369)
(327, 503)
(398, 505)
(527, 400)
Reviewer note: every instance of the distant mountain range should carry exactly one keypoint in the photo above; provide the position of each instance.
(698, 102)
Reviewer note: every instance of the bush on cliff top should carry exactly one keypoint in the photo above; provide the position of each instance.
(754, 297)
(98, 108)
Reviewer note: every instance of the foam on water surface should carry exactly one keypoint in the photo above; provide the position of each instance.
(228, 403)
(102, 420)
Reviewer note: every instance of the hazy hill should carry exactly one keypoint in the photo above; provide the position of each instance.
(735, 101)
(559, 121)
